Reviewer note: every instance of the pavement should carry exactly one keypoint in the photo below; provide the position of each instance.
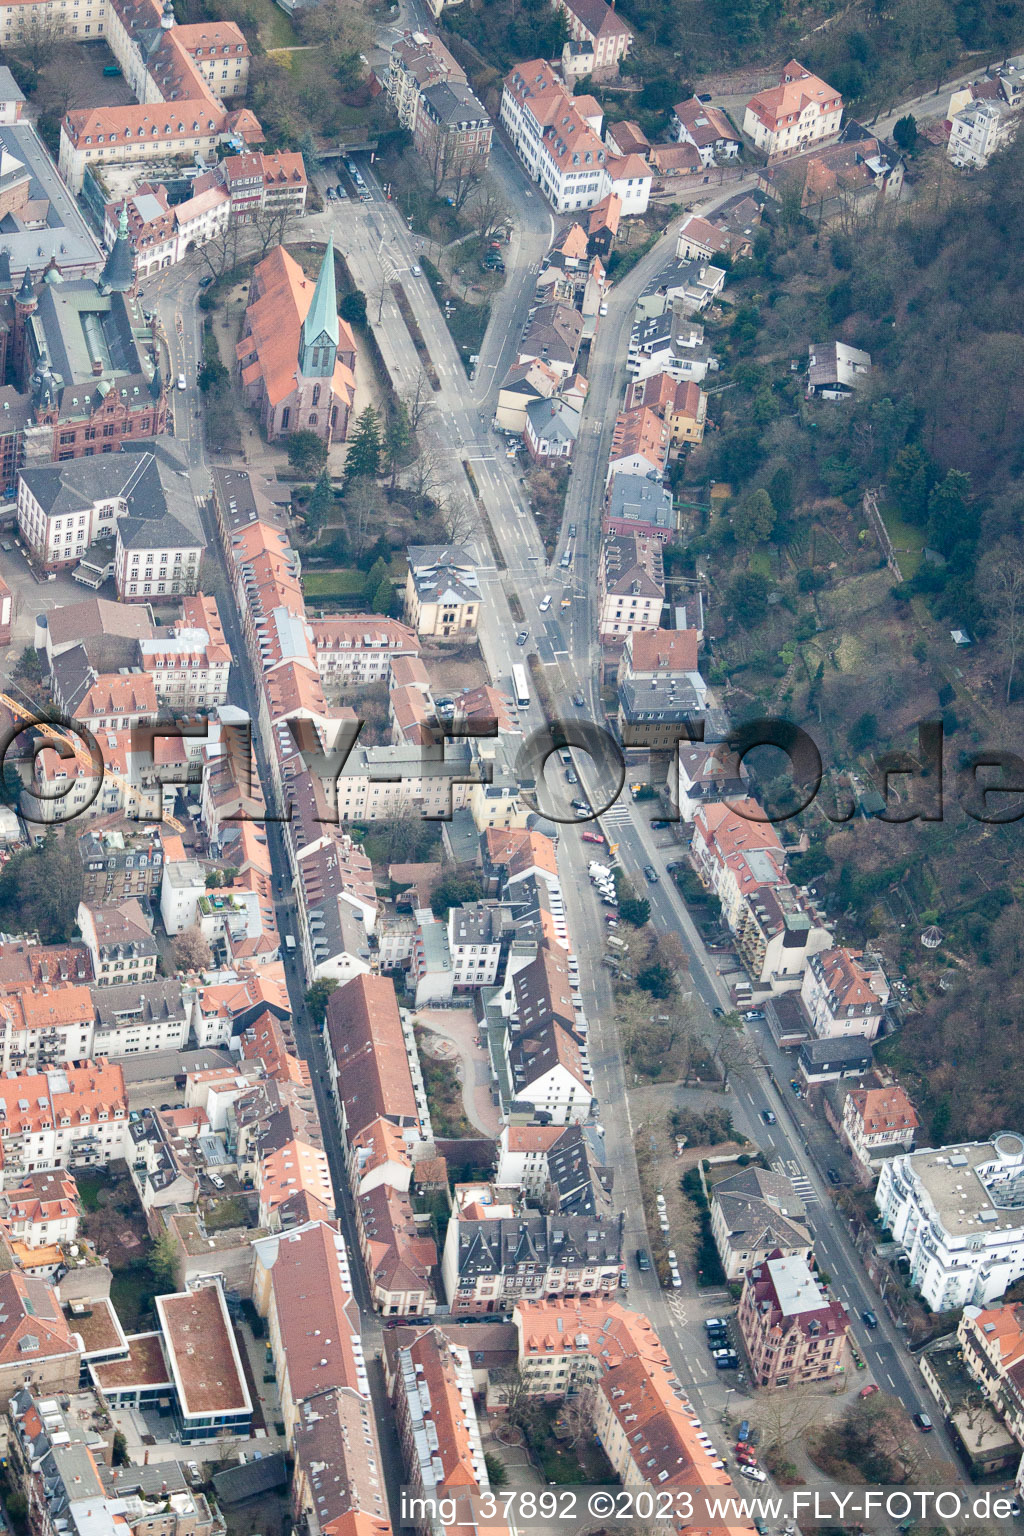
(459, 1026)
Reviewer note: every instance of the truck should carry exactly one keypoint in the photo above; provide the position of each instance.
(614, 942)
(289, 943)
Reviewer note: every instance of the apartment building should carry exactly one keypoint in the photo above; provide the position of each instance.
(707, 129)
(368, 1059)
(794, 1332)
(452, 130)
(69, 1117)
(794, 115)
(755, 1213)
(476, 942)
(878, 1123)
(430, 1384)
(38, 1349)
(399, 1257)
(630, 586)
(211, 1397)
(120, 941)
(977, 131)
(120, 863)
(260, 183)
(548, 1065)
(418, 60)
(353, 650)
(45, 1026)
(601, 30)
(557, 136)
(497, 1251)
(958, 1214)
(735, 850)
(992, 1345)
(843, 993)
(41, 1212)
(190, 662)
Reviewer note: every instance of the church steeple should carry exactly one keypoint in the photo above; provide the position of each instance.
(118, 275)
(318, 348)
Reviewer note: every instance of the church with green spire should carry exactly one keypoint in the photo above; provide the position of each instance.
(296, 358)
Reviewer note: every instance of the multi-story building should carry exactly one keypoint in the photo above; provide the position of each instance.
(258, 183)
(735, 853)
(681, 404)
(355, 649)
(958, 1213)
(630, 586)
(417, 61)
(878, 1123)
(548, 1066)
(707, 128)
(190, 663)
(133, 1018)
(843, 994)
(442, 590)
(602, 30)
(120, 942)
(791, 116)
(476, 940)
(431, 1386)
(453, 131)
(557, 136)
(793, 1330)
(211, 1397)
(38, 1349)
(45, 1026)
(754, 1213)
(977, 131)
(368, 1059)
(398, 1256)
(497, 1251)
(70, 1117)
(120, 862)
(992, 1344)
(41, 1212)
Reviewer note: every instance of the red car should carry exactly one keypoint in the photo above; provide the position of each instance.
(592, 837)
(869, 1390)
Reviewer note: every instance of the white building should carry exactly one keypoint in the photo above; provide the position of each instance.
(958, 1212)
(474, 944)
(843, 994)
(977, 131)
(182, 885)
(794, 115)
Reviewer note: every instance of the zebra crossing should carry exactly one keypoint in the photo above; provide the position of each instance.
(800, 1182)
(618, 815)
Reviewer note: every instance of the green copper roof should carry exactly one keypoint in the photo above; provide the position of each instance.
(323, 312)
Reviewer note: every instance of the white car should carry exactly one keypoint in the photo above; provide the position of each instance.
(545, 603)
(181, 381)
(417, 271)
(603, 310)
(754, 1473)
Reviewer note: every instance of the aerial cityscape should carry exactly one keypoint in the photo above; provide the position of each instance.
(512, 602)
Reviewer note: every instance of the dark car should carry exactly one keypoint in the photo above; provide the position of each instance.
(642, 1261)
(572, 530)
(727, 1362)
(832, 1174)
(768, 1116)
(650, 874)
(204, 282)
(870, 1320)
(570, 777)
(581, 805)
(705, 97)
(578, 700)
(340, 191)
(718, 1013)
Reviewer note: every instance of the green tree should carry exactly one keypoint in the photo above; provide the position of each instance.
(754, 519)
(748, 594)
(397, 439)
(364, 446)
(353, 307)
(317, 998)
(163, 1259)
(384, 597)
(454, 891)
(319, 503)
(307, 453)
(780, 489)
(904, 133)
(635, 910)
(497, 1472)
(657, 979)
(377, 573)
(213, 375)
(910, 479)
(40, 889)
(947, 513)
(28, 665)
(119, 1450)
(862, 732)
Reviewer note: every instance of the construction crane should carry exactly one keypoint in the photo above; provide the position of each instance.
(81, 752)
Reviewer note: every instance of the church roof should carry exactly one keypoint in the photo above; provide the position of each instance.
(118, 273)
(322, 315)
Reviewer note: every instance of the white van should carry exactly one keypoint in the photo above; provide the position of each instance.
(289, 943)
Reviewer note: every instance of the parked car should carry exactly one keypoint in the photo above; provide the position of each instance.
(754, 1473)
(832, 1174)
(718, 1013)
(593, 837)
(753, 1015)
(642, 1260)
(204, 282)
(870, 1390)
(711, 1323)
(727, 1362)
(330, 194)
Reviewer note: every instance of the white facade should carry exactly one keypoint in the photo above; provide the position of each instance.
(948, 1209)
(793, 116)
(977, 131)
(182, 885)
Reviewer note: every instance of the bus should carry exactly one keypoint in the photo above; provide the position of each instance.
(520, 686)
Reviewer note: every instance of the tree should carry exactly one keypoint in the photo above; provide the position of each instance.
(489, 212)
(397, 439)
(163, 1259)
(353, 307)
(317, 998)
(635, 910)
(212, 375)
(1001, 580)
(384, 597)
(40, 37)
(785, 1417)
(377, 573)
(911, 478)
(748, 594)
(657, 979)
(40, 889)
(320, 503)
(947, 513)
(28, 665)
(362, 457)
(458, 518)
(307, 453)
(862, 732)
(904, 133)
(454, 891)
(419, 404)
(191, 951)
(497, 1472)
(754, 520)
(365, 512)
(119, 1450)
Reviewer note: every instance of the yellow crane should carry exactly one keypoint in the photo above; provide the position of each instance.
(80, 750)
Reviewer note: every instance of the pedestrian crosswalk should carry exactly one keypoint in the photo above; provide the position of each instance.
(618, 814)
(800, 1182)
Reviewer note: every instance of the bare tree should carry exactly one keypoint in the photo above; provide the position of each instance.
(270, 227)
(40, 39)
(191, 951)
(785, 1417)
(61, 84)
(420, 404)
(489, 211)
(458, 517)
(365, 513)
(1002, 582)
(224, 251)
(426, 474)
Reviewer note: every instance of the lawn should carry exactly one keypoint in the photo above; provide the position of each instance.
(466, 322)
(274, 28)
(89, 1186)
(907, 541)
(341, 583)
(132, 1290)
(761, 561)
